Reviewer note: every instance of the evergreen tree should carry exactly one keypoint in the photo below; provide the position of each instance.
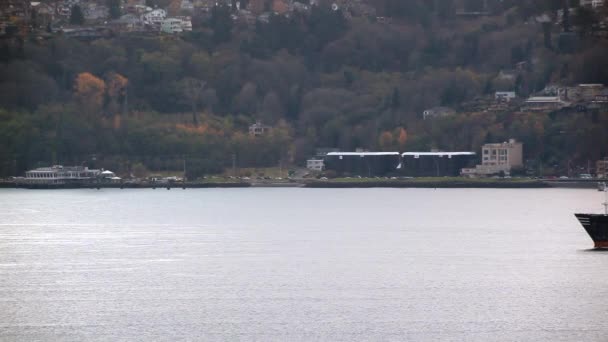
(221, 24)
(76, 16)
(114, 7)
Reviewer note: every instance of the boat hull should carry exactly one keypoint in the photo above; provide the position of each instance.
(596, 226)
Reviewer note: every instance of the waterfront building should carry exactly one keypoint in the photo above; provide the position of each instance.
(497, 158)
(315, 164)
(59, 174)
(435, 164)
(601, 168)
(365, 164)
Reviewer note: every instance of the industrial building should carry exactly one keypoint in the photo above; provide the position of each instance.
(435, 164)
(364, 164)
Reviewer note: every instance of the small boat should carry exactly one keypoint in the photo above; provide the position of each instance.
(596, 225)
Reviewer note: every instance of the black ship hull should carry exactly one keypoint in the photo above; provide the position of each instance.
(596, 226)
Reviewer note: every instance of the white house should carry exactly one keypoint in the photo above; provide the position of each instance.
(504, 96)
(315, 164)
(258, 129)
(171, 25)
(592, 3)
(187, 6)
(176, 25)
(437, 112)
(93, 11)
(154, 17)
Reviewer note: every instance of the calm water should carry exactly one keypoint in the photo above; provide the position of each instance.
(300, 265)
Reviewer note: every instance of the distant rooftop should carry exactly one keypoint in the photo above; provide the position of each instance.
(440, 154)
(543, 99)
(363, 154)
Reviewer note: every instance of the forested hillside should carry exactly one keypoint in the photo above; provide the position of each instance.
(321, 79)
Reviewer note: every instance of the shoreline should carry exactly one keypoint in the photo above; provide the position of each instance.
(331, 184)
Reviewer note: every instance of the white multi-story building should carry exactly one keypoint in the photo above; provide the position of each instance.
(496, 158)
(315, 164)
(58, 174)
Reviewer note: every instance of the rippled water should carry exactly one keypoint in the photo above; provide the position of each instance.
(300, 265)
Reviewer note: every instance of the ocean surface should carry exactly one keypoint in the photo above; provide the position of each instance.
(267, 264)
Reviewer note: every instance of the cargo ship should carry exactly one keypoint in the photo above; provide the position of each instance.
(596, 225)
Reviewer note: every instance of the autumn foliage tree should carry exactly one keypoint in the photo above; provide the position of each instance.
(89, 91)
(402, 138)
(116, 85)
(385, 140)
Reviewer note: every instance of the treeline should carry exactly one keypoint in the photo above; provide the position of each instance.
(320, 79)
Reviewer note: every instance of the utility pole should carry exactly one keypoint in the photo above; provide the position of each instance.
(234, 164)
(184, 177)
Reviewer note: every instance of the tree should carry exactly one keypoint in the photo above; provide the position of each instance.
(76, 16)
(272, 109)
(221, 24)
(547, 34)
(395, 98)
(474, 5)
(585, 19)
(192, 91)
(114, 8)
(385, 140)
(116, 91)
(246, 100)
(402, 139)
(89, 91)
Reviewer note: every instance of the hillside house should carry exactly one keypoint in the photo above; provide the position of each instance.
(436, 112)
(138, 9)
(154, 17)
(176, 25)
(258, 129)
(581, 92)
(43, 14)
(186, 6)
(595, 4)
(504, 96)
(543, 104)
(128, 23)
(93, 11)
